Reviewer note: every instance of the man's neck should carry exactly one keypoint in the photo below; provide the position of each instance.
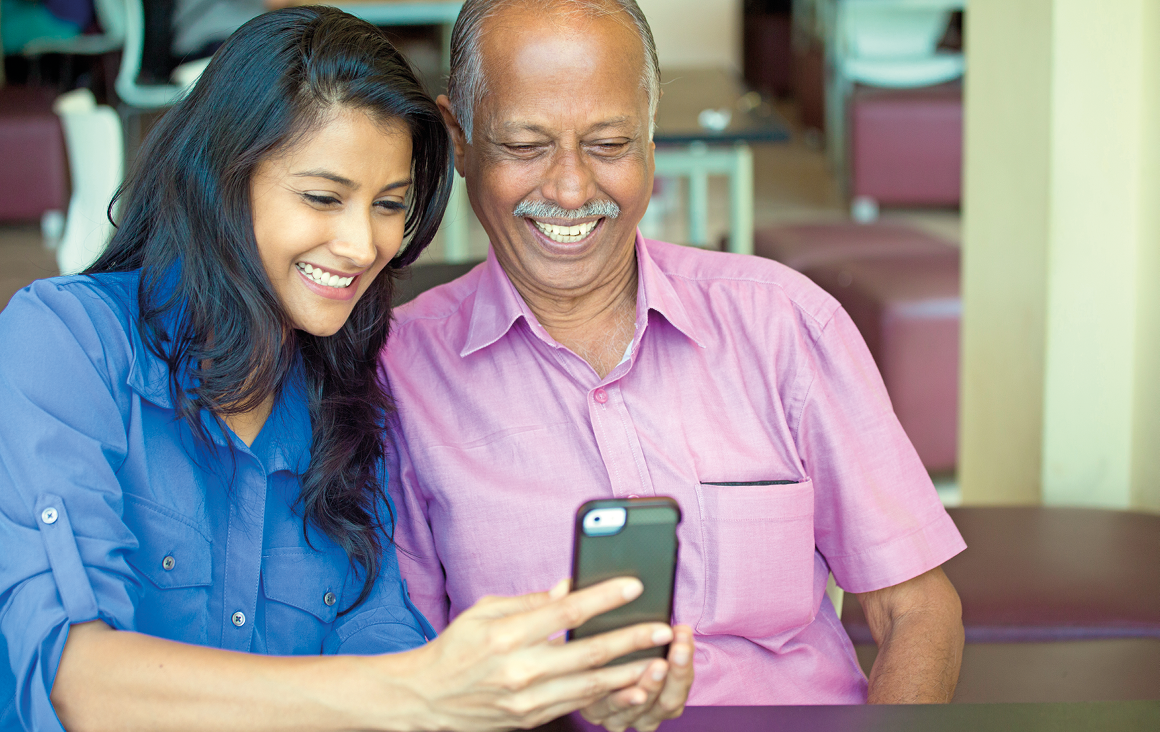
(597, 324)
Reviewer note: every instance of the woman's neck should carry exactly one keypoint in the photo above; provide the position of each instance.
(247, 425)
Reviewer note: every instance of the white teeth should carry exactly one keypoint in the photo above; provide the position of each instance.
(566, 234)
(324, 278)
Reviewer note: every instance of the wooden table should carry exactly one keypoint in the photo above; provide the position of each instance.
(1132, 716)
(687, 148)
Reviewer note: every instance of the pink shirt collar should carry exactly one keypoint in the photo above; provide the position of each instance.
(498, 305)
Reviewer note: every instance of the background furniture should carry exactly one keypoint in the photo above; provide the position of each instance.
(1059, 604)
(900, 286)
(706, 121)
(33, 174)
(906, 147)
(96, 159)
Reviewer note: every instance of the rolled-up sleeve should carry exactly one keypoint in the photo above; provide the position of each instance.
(62, 440)
(387, 621)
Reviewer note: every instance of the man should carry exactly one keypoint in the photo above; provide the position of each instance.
(582, 361)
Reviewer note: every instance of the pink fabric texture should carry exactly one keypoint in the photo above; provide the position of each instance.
(741, 371)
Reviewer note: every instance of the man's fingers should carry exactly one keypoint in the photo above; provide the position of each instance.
(620, 709)
(671, 701)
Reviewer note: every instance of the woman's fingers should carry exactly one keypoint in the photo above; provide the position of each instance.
(558, 696)
(540, 615)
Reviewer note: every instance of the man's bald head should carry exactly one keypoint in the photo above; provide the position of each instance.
(468, 84)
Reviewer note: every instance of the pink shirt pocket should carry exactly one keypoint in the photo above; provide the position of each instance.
(759, 557)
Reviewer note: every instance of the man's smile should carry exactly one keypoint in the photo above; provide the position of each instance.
(565, 234)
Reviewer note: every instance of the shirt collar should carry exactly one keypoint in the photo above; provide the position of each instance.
(498, 305)
(655, 291)
(284, 442)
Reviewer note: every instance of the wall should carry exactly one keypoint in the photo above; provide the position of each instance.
(1146, 419)
(705, 33)
(1005, 235)
(1061, 344)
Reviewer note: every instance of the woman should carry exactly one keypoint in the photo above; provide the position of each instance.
(194, 530)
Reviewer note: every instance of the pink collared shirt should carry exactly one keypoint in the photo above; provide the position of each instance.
(741, 372)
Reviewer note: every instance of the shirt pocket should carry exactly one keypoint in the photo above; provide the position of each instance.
(304, 593)
(177, 560)
(759, 557)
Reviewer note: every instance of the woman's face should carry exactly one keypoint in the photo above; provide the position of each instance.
(329, 215)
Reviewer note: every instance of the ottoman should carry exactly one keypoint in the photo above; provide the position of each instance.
(908, 309)
(906, 146)
(34, 171)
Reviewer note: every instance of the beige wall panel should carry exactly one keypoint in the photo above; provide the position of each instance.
(1095, 225)
(1005, 237)
(1146, 420)
(688, 33)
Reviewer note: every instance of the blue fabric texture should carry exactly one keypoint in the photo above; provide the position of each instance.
(111, 508)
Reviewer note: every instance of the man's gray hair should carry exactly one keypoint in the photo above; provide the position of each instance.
(467, 85)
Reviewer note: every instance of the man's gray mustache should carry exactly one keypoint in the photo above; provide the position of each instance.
(545, 210)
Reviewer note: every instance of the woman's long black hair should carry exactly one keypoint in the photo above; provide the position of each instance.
(206, 304)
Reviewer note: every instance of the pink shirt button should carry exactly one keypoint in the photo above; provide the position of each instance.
(633, 495)
(600, 396)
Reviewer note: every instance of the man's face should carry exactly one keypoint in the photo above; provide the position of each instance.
(562, 130)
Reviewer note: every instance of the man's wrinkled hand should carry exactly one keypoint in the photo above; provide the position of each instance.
(660, 693)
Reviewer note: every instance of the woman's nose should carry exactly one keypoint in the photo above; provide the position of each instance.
(355, 241)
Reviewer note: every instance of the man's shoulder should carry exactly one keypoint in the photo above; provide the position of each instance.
(715, 278)
(440, 305)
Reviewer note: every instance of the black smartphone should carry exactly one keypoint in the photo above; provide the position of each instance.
(628, 537)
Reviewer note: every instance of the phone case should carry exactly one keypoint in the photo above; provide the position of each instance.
(645, 548)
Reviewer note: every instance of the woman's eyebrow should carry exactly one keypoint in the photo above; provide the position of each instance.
(398, 184)
(347, 182)
(328, 176)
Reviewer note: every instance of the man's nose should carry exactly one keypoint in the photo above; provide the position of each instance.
(354, 240)
(568, 182)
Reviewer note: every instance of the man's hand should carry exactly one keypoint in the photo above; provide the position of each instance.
(918, 626)
(659, 695)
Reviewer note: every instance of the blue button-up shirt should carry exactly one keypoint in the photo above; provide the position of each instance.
(111, 509)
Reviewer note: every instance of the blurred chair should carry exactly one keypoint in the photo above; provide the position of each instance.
(110, 14)
(96, 160)
(33, 172)
(418, 278)
(149, 96)
(889, 44)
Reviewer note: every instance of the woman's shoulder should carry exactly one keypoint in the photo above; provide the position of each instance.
(97, 296)
(98, 313)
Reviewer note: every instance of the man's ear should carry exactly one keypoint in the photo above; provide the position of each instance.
(458, 139)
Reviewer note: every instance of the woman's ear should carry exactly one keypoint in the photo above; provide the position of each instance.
(458, 138)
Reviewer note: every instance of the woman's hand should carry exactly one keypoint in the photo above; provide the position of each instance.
(660, 694)
(495, 666)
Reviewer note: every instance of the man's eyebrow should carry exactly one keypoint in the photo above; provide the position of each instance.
(517, 126)
(347, 182)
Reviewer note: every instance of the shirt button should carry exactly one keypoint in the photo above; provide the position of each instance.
(239, 619)
(329, 598)
(600, 396)
(167, 563)
(48, 515)
(633, 495)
